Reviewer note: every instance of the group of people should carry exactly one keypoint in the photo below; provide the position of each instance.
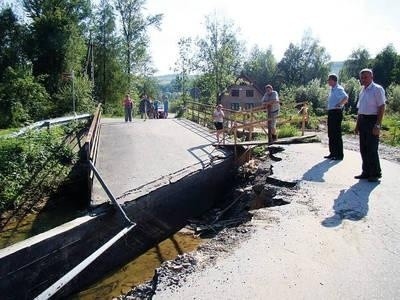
(147, 108)
(371, 108)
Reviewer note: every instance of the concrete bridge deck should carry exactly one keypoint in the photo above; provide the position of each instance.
(136, 158)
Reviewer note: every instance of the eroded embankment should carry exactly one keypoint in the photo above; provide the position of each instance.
(227, 225)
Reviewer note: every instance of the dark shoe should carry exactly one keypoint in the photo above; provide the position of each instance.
(328, 156)
(373, 179)
(361, 176)
(336, 158)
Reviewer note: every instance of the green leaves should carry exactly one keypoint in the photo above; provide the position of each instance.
(32, 163)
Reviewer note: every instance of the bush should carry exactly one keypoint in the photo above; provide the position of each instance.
(33, 164)
(393, 96)
(287, 131)
(22, 99)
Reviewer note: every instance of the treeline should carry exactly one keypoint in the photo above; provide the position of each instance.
(67, 52)
(219, 56)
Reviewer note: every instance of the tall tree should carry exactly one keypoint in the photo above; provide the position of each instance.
(134, 27)
(183, 65)
(220, 55)
(385, 66)
(12, 36)
(358, 60)
(110, 80)
(57, 40)
(304, 62)
(261, 66)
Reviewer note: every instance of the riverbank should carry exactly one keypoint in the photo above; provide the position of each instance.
(338, 237)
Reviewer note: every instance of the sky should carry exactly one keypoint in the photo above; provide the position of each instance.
(341, 26)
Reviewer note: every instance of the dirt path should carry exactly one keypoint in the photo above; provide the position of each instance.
(339, 238)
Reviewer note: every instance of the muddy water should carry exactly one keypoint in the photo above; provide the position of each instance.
(17, 229)
(141, 269)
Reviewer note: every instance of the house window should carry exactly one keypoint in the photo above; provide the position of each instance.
(249, 105)
(250, 93)
(235, 106)
(235, 93)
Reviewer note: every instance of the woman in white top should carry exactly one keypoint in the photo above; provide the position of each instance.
(219, 120)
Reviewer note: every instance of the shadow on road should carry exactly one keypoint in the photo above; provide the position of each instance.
(351, 204)
(317, 172)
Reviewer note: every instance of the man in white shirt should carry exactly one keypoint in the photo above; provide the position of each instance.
(271, 102)
(371, 108)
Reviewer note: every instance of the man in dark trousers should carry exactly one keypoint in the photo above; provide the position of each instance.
(371, 108)
(336, 100)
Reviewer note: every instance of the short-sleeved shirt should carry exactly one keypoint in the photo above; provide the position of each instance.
(336, 95)
(271, 98)
(219, 116)
(371, 98)
(128, 103)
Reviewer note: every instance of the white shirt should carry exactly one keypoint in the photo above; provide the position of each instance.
(371, 98)
(272, 98)
(219, 116)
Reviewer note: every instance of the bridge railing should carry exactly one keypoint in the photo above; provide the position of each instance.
(247, 121)
(92, 142)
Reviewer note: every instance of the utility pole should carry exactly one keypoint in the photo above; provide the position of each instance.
(73, 91)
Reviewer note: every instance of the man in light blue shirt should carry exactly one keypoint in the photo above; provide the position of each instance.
(336, 100)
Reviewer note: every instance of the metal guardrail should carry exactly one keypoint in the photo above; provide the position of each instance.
(91, 146)
(48, 123)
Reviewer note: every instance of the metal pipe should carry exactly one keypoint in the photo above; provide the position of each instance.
(55, 287)
(109, 193)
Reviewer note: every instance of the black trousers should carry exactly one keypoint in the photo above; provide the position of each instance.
(335, 117)
(369, 146)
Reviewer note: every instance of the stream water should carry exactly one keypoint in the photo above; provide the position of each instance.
(141, 269)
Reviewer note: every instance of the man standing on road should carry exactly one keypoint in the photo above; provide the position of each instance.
(165, 103)
(128, 107)
(371, 108)
(336, 100)
(271, 101)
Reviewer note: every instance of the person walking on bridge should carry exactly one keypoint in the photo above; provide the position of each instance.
(271, 102)
(166, 106)
(144, 106)
(218, 117)
(336, 100)
(128, 107)
(371, 108)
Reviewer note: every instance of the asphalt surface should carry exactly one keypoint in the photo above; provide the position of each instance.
(138, 157)
(338, 239)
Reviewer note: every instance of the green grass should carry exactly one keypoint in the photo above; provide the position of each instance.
(288, 130)
(7, 131)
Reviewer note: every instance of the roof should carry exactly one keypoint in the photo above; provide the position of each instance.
(250, 81)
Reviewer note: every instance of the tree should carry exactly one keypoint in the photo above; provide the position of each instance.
(12, 36)
(358, 60)
(303, 63)
(183, 65)
(261, 66)
(393, 96)
(385, 66)
(352, 87)
(56, 42)
(110, 80)
(134, 26)
(22, 98)
(219, 56)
